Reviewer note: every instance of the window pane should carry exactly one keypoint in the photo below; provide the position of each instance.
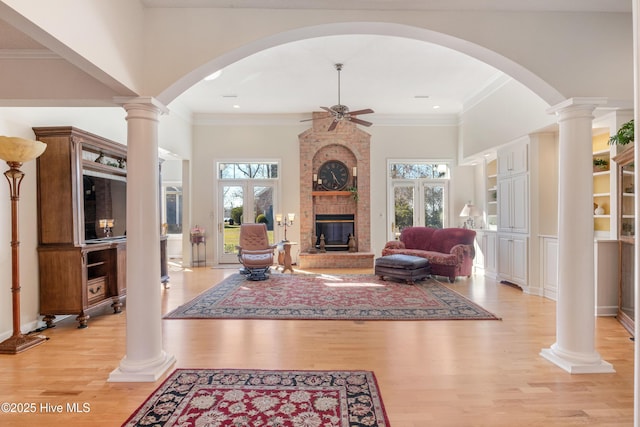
(248, 170)
(403, 200)
(419, 170)
(173, 207)
(434, 205)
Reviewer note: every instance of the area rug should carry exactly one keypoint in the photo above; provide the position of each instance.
(329, 297)
(249, 398)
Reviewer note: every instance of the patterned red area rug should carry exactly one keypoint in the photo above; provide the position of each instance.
(248, 398)
(329, 297)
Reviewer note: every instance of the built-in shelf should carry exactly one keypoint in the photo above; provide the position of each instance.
(602, 216)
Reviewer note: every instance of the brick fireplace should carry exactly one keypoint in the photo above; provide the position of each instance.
(350, 145)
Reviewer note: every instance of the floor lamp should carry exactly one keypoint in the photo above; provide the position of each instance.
(16, 151)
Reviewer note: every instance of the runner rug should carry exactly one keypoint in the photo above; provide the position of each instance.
(248, 398)
(329, 297)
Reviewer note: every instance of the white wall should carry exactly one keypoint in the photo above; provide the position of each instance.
(213, 143)
(510, 112)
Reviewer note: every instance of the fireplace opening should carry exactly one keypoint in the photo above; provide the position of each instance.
(336, 230)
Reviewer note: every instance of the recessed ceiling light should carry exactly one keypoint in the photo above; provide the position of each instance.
(435, 107)
(229, 96)
(213, 76)
(236, 106)
(421, 96)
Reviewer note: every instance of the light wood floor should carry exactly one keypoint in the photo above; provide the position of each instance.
(430, 373)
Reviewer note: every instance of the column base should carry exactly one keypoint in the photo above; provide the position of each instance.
(574, 365)
(147, 372)
(19, 343)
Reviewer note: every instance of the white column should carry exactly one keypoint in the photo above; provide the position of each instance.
(574, 349)
(145, 359)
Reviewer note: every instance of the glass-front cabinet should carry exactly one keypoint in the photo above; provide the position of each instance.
(626, 237)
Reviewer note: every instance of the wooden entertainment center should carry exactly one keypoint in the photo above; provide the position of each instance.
(82, 265)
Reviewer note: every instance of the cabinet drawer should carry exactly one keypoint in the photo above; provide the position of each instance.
(96, 289)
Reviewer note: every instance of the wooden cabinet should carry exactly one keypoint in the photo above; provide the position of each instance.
(78, 275)
(626, 237)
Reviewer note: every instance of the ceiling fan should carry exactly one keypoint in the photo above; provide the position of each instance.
(341, 112)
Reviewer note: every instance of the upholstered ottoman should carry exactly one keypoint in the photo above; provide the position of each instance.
(402, 267)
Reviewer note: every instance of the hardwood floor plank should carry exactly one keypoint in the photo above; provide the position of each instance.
(435, 373)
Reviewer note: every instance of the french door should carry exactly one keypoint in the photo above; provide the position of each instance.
(242, 201)
(417, 203)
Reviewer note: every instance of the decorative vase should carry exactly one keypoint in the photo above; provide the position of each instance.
(599, 210)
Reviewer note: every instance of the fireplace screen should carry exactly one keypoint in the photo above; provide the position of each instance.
(336, 230)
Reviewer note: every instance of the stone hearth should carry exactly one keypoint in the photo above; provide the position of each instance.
(350, 145)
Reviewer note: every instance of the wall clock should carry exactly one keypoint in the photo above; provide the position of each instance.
(334, 175)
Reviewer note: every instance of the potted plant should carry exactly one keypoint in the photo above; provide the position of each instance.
(624, 136)
(600, 165)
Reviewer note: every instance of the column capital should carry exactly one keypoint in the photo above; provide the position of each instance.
(142, 102)
(577, 103)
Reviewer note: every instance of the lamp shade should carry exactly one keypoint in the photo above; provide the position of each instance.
(465, 211)
(21, 150)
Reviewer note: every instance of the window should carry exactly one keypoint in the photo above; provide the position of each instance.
(420, 194)
(173, 209)
(237, 170)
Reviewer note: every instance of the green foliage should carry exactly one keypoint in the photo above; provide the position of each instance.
(600, 162)
(624, 136)
(236, 215)
(354, 193)
(262, 219)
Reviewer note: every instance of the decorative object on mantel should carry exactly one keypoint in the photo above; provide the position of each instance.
(16, 151)
(354, 193)
(624, 135)
(288, 222)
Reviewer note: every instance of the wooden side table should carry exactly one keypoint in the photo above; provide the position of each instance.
(284, 255)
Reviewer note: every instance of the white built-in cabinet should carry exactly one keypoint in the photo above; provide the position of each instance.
(485, 246)
(513, 205)
(512, 258)
(513, 213)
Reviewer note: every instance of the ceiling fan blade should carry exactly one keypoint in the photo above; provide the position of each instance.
(332, 126)
(365, 111)
(314, 118)
(360, 122)
(328, 109)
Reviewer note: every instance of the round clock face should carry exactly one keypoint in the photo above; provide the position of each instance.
(334, 175)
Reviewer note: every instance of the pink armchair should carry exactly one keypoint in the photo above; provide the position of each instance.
(449, 250)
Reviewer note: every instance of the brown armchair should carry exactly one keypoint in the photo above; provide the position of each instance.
(254, 251)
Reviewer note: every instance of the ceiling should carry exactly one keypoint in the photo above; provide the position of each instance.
(390, 75)
(393, 76)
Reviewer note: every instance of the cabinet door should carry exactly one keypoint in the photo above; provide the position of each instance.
(490, 264)
(513, 160)
(519, 260)
(479, 246)
(504, 204)
(519, 158)
(519, 204)
(504, 257)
